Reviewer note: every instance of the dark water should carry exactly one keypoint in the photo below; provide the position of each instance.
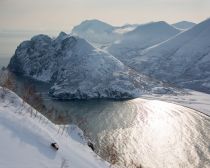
(152, 133)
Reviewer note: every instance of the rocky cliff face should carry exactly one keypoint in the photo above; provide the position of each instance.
(77, 70)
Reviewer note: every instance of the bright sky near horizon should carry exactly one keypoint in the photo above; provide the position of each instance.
(64, 14)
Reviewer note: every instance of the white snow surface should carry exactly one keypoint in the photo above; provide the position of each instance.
(25, 139)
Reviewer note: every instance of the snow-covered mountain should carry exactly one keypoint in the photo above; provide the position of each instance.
(77, 70)
(96, 32)
(26, 137)
(133, 42)
(184, 25)
(183, 60)
(99, 33)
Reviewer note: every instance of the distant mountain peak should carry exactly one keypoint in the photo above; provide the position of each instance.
(95, 31)
(91, 24)
(152, 27)
(42, 37)
(184, 25)
(93, 21)
(62, 34)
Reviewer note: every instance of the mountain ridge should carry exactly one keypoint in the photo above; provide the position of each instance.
(187, 55)
(142, 37)
(77, 70)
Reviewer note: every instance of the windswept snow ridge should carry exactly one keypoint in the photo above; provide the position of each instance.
(26, 139)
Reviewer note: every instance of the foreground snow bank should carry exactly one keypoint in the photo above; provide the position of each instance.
(26, 137)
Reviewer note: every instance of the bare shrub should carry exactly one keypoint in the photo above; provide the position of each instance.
(32, 97)
(3, 94)
(7, 80)
(49, 113)
(83, 124)
(132, 164)
(60, 119)
(110, 153)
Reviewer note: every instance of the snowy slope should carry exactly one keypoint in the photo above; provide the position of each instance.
(77, 70)
(184, 25)
(183, 60)
(25, 139)
(133, 42)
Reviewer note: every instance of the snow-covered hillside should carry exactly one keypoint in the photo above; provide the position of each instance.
(133, 42)
(77, 70)
(184, 25)
(183, 60)
(26, 137)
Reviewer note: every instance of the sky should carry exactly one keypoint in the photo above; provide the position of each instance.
(64, 14)
(22, 19)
